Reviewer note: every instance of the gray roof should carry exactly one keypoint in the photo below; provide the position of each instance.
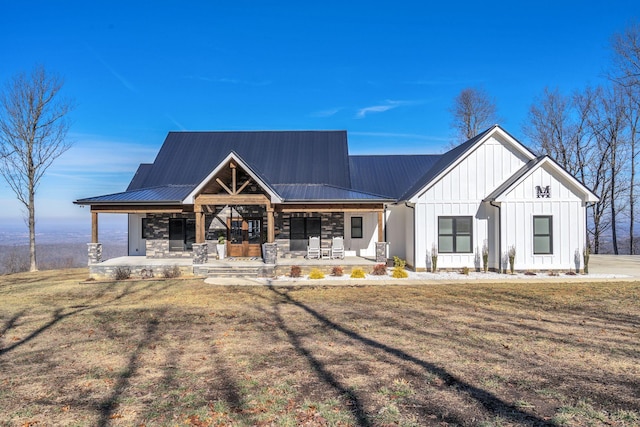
(390, 175)
(297, 165)
(168, 194)
(324, 192)
(279, 157)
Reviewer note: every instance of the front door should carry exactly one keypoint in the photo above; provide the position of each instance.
(245, 237)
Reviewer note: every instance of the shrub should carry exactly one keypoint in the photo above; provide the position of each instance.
(146, 274)
(316, 274)
(295, 271)
(14, 262)
(170, 273)
(571, 273)
(337, 271)
(399, 262)
(399, 273)
(465, 271)
(379, 270)
(122, 273)
(512, 258)
(434, 258)
(357, 273)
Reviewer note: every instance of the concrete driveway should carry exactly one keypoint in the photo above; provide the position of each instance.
(615, 264)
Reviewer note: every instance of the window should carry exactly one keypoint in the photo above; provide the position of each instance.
(145, 234)
(454, 234)
(301, 230)
(356, 227)
(182, 234)
(542, 234)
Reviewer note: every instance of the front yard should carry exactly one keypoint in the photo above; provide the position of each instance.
(181, 352)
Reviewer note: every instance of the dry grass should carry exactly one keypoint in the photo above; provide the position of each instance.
(179, 352)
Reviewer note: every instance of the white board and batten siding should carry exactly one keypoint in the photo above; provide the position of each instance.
(566, 207)
(460, 193)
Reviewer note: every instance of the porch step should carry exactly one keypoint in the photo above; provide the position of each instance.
(230, 271)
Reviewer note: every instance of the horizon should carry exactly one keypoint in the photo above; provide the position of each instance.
(385, 74)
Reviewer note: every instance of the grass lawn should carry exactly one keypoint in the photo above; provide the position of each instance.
(180, 352)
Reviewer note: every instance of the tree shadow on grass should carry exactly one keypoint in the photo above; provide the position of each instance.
(59, 314)
(486, 399)
(324, 374)
(109, 405)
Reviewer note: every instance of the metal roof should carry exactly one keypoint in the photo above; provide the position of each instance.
(298, 165)
(388, 175)
(324, 192)
(280, 157)
(169, 194)
(140, 176)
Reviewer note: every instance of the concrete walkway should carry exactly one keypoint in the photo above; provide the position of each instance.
(615, 264)
(601, 268)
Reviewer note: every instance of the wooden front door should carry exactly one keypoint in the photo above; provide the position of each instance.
(245, 237)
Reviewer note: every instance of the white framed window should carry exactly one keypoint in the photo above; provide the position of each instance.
(356, 227)
(455, 234)
(543, 234)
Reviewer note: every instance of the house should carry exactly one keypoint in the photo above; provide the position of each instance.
(266, 193)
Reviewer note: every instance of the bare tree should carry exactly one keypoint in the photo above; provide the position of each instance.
(33, 129)
(626, 57)
(564, 128)
(632, 118)
(473, 111)
(625, 72)
(609, 128)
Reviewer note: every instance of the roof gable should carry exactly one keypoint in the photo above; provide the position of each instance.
(452, 158)
(527, 170)
(275, 198)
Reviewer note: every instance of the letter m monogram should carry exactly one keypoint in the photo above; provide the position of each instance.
(543, 192)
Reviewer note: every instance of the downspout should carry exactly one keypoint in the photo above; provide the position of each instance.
(384, 212)
(499, 235)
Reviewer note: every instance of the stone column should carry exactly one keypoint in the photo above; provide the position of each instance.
(95, 253)
(200, 253)
(270, 252)
(381, 252)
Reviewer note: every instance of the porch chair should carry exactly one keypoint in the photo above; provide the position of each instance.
(337, 248)
(313, 249)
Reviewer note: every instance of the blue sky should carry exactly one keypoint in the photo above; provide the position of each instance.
(387, 72)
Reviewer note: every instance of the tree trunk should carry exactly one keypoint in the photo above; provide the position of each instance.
(632, 204)
(614, 236)
(33, 266)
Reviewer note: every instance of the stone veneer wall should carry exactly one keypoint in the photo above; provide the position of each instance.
(157, 231)
(331, 225)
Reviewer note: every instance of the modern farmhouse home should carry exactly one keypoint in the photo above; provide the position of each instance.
(266, 193)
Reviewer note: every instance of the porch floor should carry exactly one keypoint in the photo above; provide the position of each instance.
(141, 261)
(229, 267)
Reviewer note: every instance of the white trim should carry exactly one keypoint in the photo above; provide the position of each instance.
(189, 200)
(496, 130)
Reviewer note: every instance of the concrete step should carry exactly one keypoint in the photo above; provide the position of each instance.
(229, 271)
